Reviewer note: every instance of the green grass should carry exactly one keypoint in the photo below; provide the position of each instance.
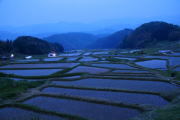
(166, 73)
(177, 76)
(10, 89)
(171, 73)
(170, 113)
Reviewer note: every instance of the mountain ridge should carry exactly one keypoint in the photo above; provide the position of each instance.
(149, 34)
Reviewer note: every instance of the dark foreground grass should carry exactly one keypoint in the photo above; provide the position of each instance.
(169, 113)
(10, 88)
(177, 76)
(42, 111)
(170, 73)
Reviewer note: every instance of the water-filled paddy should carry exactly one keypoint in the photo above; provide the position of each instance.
(88, 53)
(155, 64)
(70, 54)
(20, 114)
(130, 71)
(26, 61)
(72, 58)
(176, 54)
(121, 84)
(87, 110)
(103, 61)
(88, 59)
(72, 77)
(36, 72)
(110, 96)
(130, 76)
(20, 79)
(177, 69)
(124, 58)
(99, 53)
(91, 70)
(116, 66)
(52, 59)
(48, 65)
(172, 60)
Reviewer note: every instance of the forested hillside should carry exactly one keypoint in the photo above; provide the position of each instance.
(29, 45)
(112, 41)
(73, 40)
(150, 34)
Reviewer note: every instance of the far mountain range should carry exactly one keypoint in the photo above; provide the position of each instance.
(146, 35)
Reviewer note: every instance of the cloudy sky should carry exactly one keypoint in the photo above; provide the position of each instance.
(28, 12)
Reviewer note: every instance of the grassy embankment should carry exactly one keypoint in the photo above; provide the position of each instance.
(10, 88)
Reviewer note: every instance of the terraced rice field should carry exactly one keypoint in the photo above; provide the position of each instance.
(48, 65)
(156, 64)
(72, 58)
(26, 61)
(136, 85)
(110, 96)
(88, 59)
(20, 114)
(114, 66)
(37, 72)
(124, 58)
(52, 59)
(173, 61)
(82, 87)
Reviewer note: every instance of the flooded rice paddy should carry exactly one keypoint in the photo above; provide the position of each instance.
(48, 65)
(110, 96)
(26, 61)
(70, 54)
(91, 70)
(20, 114)
(123, 58)
(154, 64)
(88, 59)
(173, 61)
(121, 84)
(52, 59)
(114, 66)
(37, 72)
(130, 71)
(87, 110)
(72, 58)
(87, 85)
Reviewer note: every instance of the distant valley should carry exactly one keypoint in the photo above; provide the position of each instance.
(147, 35)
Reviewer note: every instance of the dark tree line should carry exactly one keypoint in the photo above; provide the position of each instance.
(6, 47)
(29, 45)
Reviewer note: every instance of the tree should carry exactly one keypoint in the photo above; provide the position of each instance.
(35, 46)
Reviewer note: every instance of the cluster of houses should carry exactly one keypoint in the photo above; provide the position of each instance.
(11, 56)
(6, 57)
(54, 54)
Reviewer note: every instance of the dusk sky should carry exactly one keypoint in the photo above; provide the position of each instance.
(28, 12)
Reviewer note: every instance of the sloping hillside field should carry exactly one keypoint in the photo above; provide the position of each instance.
(91, 85)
